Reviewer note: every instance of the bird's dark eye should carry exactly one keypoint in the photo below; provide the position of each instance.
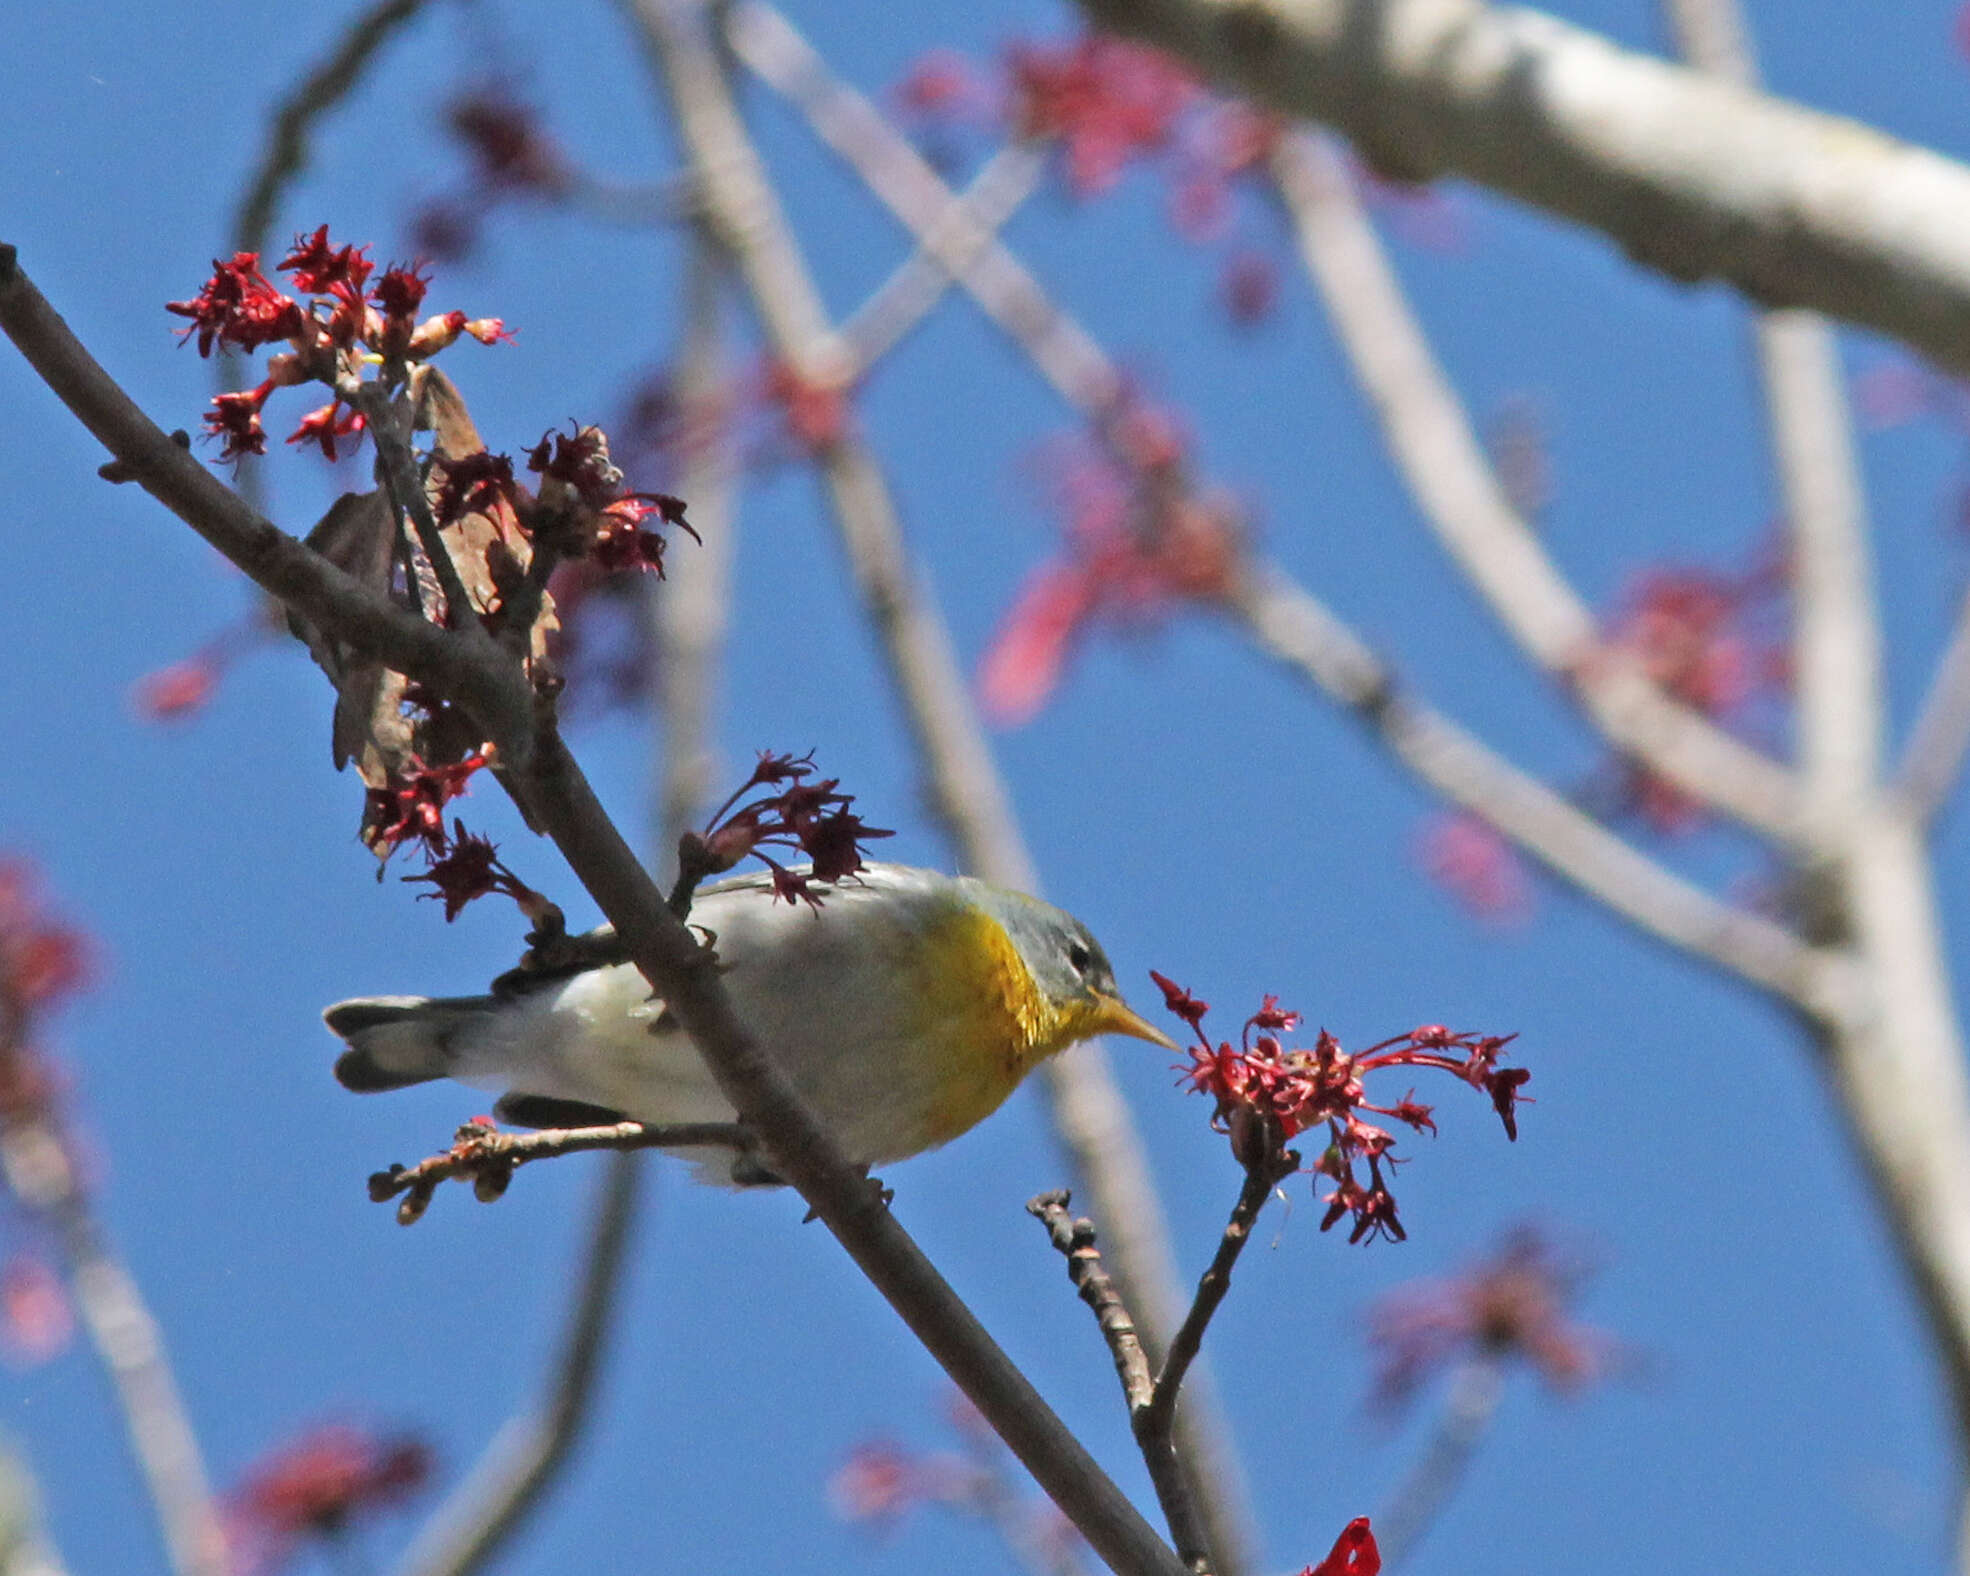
(1079, 957)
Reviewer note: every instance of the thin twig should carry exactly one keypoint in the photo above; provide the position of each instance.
(975, 217)
(1415, 1505)
(1261, 1177)
(1075, 1241)
(487, 1157)
(397, 462)
(513, 1472)
(468, 667)
(1440, 460)
(1932, 760)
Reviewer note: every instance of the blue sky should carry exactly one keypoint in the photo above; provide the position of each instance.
(1200, 811)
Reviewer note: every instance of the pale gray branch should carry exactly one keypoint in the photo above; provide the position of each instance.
(34, 1154)
(1932, 760)
(907, 296)
(962, 776)
(945, 229)
(1836, 645)
(1300, 631)
(1690, 177)
(1444, 466)
(508, 1479)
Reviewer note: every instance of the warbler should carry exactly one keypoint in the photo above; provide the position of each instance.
(905, 1009)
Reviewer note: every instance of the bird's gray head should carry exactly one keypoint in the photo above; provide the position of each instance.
(1066, 962)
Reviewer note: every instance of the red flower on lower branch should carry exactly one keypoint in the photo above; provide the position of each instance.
(1354, 1553)
(316, 1487)
(1267, 1095)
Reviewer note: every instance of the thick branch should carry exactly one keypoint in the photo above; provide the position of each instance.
(1443, 464)
(1691, 177)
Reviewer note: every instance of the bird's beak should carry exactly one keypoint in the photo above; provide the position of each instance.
(1112, 1015)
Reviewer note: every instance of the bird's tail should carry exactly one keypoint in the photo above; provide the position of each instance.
(397, 1041)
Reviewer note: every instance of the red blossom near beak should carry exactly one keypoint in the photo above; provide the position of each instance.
(1354, 1553)
(1261, 1087)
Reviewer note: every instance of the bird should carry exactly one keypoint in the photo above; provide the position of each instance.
(905, 1009)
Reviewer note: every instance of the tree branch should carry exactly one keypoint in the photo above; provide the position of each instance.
(1692, 178)
(1286, 620)
(1836, 641)
(515, 1470)
(1089, 1113)
(1447, 472)
(1932, 760)
(974, 218)
(1293, 626)
(472, 669)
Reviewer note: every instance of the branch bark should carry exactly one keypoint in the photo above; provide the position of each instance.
(965, 787)
(1440, 460)
(1692, 178)
(492, 687)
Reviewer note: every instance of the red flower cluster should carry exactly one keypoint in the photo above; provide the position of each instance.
(1513, 1304)
(413, 808)
(1705, 638)
(511, 157)
(1267, 1095)
(1137, 540)
(813, 415)
(41, 959)
(882, 1481)
(345, 318)
(316, 1487)
(1476, 866)
(585, 508)
(809, 817)
(1106, 100)
(1354, 1553)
